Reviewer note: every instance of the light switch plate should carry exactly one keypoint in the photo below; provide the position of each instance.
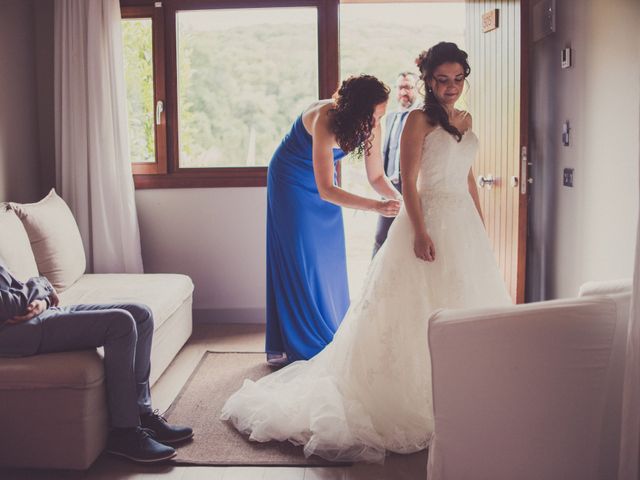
(565, 57)
(566, 128)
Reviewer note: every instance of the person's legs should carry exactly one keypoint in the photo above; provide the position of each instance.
(382, 229)
(83, 327)
(148, 418)
(125, 331)
(384, 223)
(143, 318)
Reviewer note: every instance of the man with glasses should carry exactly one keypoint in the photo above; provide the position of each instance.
(394, 122)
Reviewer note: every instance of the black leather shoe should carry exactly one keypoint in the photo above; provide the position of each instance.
(164, 432)
(138, 444)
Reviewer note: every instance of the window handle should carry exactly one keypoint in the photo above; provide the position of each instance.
(159, 110)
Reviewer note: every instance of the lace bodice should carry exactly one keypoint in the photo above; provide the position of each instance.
(446, 162)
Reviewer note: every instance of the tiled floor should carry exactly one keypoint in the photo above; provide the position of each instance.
(244, 338)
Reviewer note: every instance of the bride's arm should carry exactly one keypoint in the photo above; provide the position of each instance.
(473, 190)
(411, 142)
(473, 187)
(375, 168)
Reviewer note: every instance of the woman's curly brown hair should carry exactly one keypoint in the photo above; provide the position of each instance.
(428, 61)
(351, 120)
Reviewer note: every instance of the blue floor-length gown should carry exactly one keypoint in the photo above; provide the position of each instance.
(307, 289)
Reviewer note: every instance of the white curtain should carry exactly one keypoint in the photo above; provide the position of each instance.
(630, 441)
(93, 173)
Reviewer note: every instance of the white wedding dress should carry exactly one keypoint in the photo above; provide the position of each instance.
(369, 390)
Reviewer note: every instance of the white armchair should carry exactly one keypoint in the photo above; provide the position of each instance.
(529, 391)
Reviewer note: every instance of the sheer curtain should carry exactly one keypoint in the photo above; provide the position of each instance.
(630, 442)
(93, 173)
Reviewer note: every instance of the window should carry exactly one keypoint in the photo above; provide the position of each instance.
(236, 75)
(138, 55)
(143, 40)
(240, 83)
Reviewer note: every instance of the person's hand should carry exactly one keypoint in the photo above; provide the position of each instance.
(388, 208)
(54, 300)
(34, 309)
(423, 247)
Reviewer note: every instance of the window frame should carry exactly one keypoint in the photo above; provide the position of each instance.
(166, 172)
(159, 92)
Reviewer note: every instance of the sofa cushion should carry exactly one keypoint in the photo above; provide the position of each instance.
(79, 369)
(15, 249)
(164, 293)
(55, 239)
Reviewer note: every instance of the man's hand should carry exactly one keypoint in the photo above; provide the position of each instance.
(34, 309)
(54, 300)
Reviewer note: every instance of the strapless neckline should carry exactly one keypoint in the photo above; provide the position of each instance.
(466, 133)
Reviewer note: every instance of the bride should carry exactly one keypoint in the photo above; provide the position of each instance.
(369, 391)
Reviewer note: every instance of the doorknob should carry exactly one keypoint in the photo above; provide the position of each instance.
(487, 181)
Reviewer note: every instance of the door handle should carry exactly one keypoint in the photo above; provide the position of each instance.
(159, 110)
(524, 164)
(487, 181)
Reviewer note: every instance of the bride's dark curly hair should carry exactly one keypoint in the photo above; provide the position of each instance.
(351, 120)
(428, 61)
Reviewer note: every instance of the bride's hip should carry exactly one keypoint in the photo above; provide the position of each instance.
(443, 197)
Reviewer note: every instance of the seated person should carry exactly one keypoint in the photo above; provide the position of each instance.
(32, 322)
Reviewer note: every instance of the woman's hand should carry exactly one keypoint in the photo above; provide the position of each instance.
(34, 309)
(388, 207)
(423, 247)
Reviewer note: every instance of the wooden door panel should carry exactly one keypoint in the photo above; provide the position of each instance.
(494, 99)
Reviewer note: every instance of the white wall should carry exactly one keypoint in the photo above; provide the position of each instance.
(44, 44)
(586, 232)
(19, 136)
(216, 236)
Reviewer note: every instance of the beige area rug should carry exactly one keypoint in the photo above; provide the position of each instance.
(215, 442)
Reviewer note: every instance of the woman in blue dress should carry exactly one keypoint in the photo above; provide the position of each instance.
(307, 290)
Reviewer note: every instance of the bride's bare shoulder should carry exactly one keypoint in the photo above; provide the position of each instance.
(418, 122)
(464, 119)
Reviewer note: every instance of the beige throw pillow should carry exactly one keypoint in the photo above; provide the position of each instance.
(55, 239)
(15, 249)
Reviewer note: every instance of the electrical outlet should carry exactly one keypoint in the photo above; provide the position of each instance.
(567, 177)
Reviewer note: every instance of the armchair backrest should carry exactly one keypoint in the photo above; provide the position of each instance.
(521, 392)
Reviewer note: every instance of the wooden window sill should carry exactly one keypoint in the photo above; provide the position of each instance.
(204, 178)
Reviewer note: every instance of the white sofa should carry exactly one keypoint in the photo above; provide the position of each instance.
(530, 391)
(53, 409)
